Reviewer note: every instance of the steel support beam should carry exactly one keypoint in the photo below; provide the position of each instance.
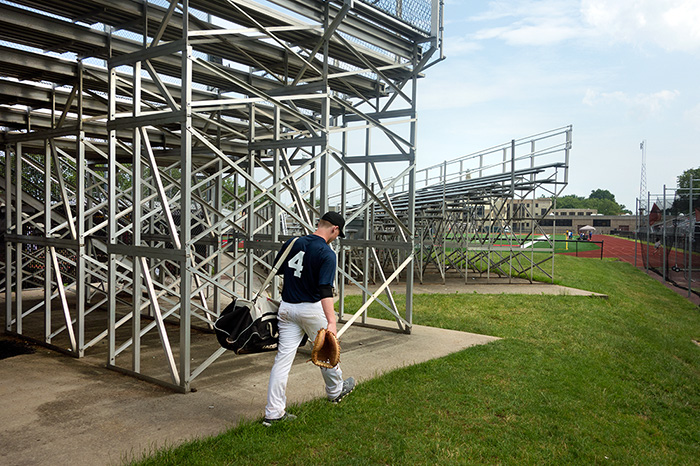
(143, 174)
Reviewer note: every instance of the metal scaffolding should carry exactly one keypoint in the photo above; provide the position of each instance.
(478, 215)
(158, 152)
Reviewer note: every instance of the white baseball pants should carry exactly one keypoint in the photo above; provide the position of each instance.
(294, 321)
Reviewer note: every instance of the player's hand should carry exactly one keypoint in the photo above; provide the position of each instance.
(332, 328)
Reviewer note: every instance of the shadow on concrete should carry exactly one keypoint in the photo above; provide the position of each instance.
(60, 410)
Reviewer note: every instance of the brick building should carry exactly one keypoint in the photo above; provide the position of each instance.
(574, 219)
(522, 211)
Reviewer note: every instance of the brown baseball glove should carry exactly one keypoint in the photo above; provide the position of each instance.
(326, 351)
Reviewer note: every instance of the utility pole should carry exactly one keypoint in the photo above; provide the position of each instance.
(641, 204)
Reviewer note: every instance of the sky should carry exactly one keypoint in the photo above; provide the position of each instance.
(621, 72)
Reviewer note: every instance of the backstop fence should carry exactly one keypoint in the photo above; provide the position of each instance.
(668, 231)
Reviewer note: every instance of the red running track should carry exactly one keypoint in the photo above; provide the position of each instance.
(619, 248)
(624, 250)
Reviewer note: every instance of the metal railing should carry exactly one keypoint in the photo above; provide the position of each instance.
(414, 12)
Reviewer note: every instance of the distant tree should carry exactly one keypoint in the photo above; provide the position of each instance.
(685, 177)
(601, 200)
(606, 206)
(603, 194)
(681, 202)
(571, 201)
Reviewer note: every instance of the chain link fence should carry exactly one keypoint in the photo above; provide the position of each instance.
(669, 233)
(414, 12)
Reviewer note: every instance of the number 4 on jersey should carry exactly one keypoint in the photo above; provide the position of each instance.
(297, 263)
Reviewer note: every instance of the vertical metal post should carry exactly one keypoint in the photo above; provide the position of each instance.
(412, 197)
(370, 265)
(554, 231)
(512, 168)
(277, 153)
(367, 226)
(663, 233)
(250, 214)
(312, 181)
(648, 226)
(636, 230)
(19, 230)
(532, 231)
(80, 285)
(8, 247)
(443, 221)
(691, 236)
(568, 149)
(186, 204)
(136, 199)
(218, 205)
(48, 263)
(534, 213)
(343, 203)
(48, 226)
(469, 223)
(112, 223)
(325, 119)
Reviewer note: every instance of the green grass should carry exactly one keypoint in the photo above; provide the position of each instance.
(562, 245)
(574, 380)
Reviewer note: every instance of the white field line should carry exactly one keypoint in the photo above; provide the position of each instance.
(528, 244)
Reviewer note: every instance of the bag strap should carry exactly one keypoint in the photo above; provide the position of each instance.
(276, 267)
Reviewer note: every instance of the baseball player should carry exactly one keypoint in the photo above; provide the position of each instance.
(306, 307)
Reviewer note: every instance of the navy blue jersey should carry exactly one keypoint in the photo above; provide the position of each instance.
(309, 265)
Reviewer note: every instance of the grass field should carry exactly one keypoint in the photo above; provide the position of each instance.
(561, 245)
(574, 380)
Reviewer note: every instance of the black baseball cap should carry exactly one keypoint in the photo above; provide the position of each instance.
(334, 218)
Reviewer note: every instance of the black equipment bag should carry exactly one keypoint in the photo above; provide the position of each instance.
(245, 327)
(251, 326)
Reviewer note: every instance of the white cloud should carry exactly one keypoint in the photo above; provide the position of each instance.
(640, 106)
(456, 46)
(527, 9)
(544, 33)
(530, 22)
(670, 24)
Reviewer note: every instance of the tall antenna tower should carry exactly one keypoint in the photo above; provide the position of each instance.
(643, 180)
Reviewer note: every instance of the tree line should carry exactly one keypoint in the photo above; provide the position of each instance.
(604, 201)
(601, 200)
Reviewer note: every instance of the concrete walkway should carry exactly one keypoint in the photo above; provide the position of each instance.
(56, 410)
(482, 285)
